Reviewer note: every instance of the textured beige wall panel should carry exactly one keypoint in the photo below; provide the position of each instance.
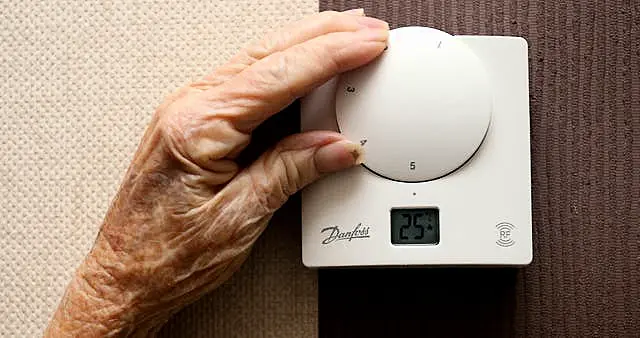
(78, 82)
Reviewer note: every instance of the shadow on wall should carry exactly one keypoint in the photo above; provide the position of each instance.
(407, 303)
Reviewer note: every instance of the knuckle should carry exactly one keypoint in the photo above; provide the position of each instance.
(274, 71)
(291, 178)
(183, 123)
(324, 54)
(173, 121)
(276, 179)
(265, 196)
(197, 131)
(258, 51)
(284, 163)
(278, 70)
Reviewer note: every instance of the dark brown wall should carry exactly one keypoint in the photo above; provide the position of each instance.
(585, 122)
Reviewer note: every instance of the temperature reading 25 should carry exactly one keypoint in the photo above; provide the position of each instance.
(415, 226)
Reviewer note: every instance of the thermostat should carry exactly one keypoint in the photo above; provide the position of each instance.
(446, 180)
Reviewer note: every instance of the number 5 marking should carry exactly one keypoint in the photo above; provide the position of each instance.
(415, 224)
(412, 165)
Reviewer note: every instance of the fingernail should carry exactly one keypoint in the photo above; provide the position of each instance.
(355, 11)
(338, 156)
(374, 34)
(372, 22)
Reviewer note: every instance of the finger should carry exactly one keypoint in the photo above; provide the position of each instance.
(297, 32)
(294, 163)
(274, 82)
(202, 142)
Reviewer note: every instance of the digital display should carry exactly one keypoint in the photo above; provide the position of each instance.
(415, 226)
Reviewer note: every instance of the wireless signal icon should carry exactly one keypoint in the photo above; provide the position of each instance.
(505, 231)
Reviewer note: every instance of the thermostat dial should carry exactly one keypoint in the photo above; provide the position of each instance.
(421, 109)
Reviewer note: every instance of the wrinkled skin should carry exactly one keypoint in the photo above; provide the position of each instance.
(186, 215)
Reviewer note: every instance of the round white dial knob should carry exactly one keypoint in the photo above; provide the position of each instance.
(421, 109)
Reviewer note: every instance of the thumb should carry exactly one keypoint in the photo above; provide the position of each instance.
(294, 163)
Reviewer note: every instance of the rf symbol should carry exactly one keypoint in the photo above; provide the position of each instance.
(505, 231)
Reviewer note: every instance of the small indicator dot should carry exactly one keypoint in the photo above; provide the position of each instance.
(414, 194)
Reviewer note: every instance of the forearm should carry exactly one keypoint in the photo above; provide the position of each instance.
(112, 296)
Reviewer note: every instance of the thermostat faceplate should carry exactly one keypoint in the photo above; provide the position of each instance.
(422, 108)
(444, 121)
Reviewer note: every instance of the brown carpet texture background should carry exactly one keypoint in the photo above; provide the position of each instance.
(585, 120)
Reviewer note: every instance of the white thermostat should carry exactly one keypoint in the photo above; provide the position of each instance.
(444, 121)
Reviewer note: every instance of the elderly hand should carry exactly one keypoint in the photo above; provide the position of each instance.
(186, 216)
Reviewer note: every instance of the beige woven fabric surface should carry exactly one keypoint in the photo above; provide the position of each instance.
(78, 82)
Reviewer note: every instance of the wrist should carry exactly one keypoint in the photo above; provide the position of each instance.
(92, 305)
(106, 299)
